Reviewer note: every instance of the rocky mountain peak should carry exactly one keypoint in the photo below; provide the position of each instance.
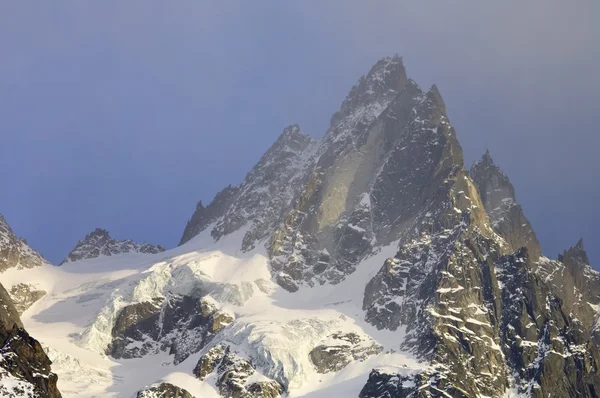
(292, 133)
(266, 191)
(486, 159)
(98, 233)
(99, 243)
(373, 91)
(575, 254)
(506, 215)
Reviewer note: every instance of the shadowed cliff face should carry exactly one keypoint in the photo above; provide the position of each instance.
(468, 286)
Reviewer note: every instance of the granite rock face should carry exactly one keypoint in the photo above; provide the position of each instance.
(24, 367)
(15, 252)
(99, 243)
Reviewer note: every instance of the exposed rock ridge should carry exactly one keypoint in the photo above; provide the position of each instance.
(265, 193)
(99, 243)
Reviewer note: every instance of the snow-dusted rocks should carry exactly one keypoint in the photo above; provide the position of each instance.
(387, 383)
(181, 325)
(339, 349)
(24, 295)
(99, 243)
(14, 252)
(265, 193)
(235, 375)
(163, 390)
(546, 339)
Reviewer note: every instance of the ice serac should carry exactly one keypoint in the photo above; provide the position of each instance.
(506, 215)
(14, 251)
(24, 367)
(263, 196)
(99, 243)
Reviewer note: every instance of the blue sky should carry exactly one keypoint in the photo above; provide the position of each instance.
(123, 115)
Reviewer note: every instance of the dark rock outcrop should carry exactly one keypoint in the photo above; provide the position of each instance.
(340, 350)
(180, 325)
(235, 375)
(24, 367)
(164, 390)
(99, 243)
(382, 384)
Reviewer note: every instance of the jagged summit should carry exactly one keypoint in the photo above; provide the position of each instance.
(575, 253)
(14, 251)
(498, 196)
(99, 243)
(387, 76)
(266, 191)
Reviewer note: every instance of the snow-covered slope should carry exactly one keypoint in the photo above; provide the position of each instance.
(276, 329)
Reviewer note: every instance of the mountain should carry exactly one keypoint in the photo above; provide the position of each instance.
(370, 263)
(391, 169)
(14, 252)
(99, 243)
